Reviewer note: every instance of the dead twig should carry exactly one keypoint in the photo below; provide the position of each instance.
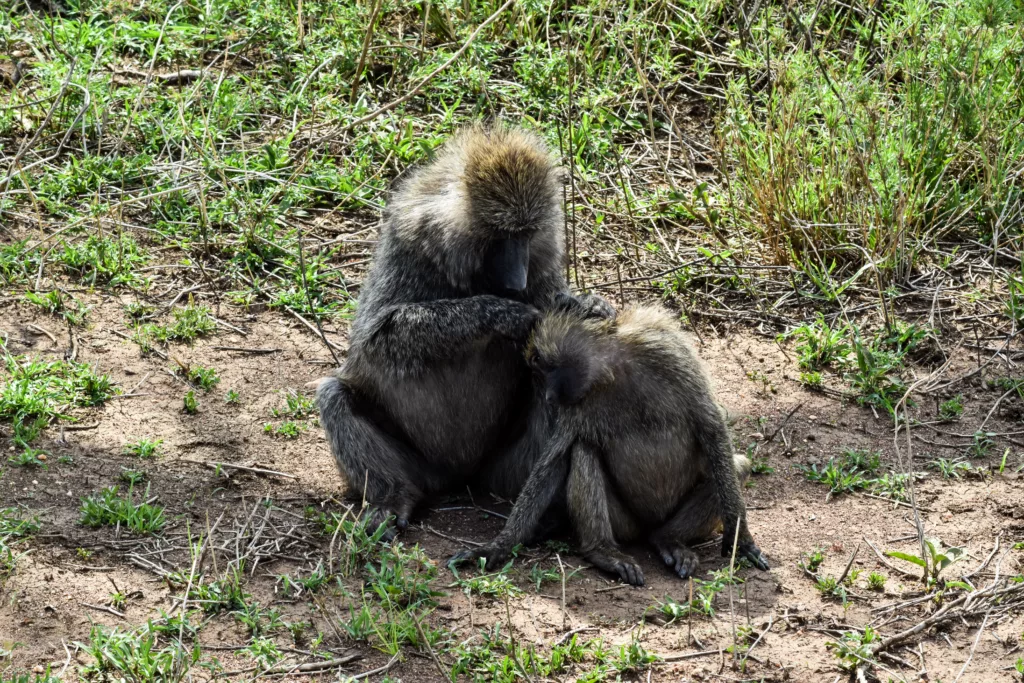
(242, 349)
(104, 608)
(256, 470)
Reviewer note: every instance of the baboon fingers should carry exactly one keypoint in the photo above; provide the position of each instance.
(680, 559)
(618, 563)
(494, 557)
(631, 574)
(753, 554)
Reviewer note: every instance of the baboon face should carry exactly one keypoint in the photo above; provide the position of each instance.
(565, 360)
(506, 264)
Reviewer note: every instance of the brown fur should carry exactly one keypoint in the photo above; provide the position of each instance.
(646, 451)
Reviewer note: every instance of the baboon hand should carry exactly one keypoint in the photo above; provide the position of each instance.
(747, 550)
(585, 305)
(515, 320)
(495, 557)
(680, 559)
(615, 562)
(595, 306)
(750, 552)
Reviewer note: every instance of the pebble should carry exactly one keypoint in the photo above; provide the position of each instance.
(42, 456)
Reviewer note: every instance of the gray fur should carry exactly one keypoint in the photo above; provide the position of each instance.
(435, 392)
(642, 450)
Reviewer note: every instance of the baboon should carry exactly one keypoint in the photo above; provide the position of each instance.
(640, 448)
(435, 391)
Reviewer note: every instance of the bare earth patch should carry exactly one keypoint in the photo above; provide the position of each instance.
(63, 584)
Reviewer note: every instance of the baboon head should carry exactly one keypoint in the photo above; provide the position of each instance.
(487, 211)
(570, 356)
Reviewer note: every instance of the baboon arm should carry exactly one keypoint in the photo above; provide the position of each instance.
(414, 334)
(546, 479)
(718, 450)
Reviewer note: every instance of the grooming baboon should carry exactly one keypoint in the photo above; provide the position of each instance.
(435, 391)
(640, 446)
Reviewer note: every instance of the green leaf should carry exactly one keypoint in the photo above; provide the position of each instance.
(909, 558)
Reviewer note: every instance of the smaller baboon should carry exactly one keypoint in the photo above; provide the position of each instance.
(640, 447)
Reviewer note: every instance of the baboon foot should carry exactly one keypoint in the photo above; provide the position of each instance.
(494, 557)
(615, 562)
(394, 518)
(376, 517)
(679, 559)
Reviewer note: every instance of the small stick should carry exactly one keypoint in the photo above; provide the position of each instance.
(688, 655)
(230, 326)
(429, 77)
(778, 429)
(565, 637)
(430, 650)
(242, 349)
(41, 330)
(849, 564)
(367, 39)
(378, 670)
(689, 614)
(732, 578)
(612, 588)
(561, 568)
(332, 346)
(890, 565)
(103, 608)
(974, 647)
(257, 470)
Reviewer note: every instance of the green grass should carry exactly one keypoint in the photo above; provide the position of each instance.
(45, 677)
(950, 469)
(850, 140)
(188, 323)
(137, 656)
(58, 304)
(132, 477)
(224, 594)
(15, 527)
(818, 344)
(36, 392)
(105, 260)
(143, 448)
(297, 406)
(288, 429)
(199, 377)
(952, 409)
(107, 508)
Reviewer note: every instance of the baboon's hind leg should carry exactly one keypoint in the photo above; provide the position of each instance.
(377, 468)
(588, 500)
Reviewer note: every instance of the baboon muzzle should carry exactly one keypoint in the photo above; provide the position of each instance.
(510, 263)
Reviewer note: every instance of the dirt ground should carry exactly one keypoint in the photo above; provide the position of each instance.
(62, 586)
